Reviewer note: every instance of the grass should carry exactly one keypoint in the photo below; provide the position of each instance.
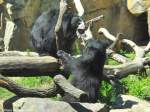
(107, 93)
(129, 55)
(4, 94)
(28, 82)
(137, 85)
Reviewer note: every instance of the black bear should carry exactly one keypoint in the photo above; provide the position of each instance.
(86, 70)
(43, 35)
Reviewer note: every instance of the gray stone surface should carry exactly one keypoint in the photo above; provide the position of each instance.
(127, 103)
(47, 105)
(124, 103)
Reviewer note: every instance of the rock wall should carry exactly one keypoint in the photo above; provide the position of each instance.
(117, 18)
(25, 18)
(24, 15)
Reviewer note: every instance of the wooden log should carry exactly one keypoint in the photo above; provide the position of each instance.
(25, 92)
(123, 70)
(62, 10)
(119, 58)
(147, 48)
(19, 53)
(139, 52)
(28, 66)
(68, 88)
(53, 90)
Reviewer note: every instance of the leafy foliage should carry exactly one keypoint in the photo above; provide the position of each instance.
(138, 86)
(107, 93)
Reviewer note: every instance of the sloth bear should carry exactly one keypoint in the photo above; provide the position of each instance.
(43, 35)
(87, 70)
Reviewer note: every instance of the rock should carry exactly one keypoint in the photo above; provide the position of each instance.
(121, 110)
(127, 103)
(138, 6)
(124, 103)
(48, 105)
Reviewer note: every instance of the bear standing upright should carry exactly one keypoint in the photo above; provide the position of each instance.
(86, 70)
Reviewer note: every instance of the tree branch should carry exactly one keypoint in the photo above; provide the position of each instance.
(62, 10)
(68, 88)
(24, 65)
(138, 50)
(53, 90)
(18, 53)
(128, 67)
(24, 92)
(123, 70)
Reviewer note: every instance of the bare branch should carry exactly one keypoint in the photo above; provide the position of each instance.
(138, 50)
(123, 70)
(95, 19)
(147, 48)
(128, 66)
(79, 7)
(119, 58)
(62, 10)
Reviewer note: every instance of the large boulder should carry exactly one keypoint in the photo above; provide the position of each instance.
(124, 103)
(127, 103)
(137, 7)
(48, 105)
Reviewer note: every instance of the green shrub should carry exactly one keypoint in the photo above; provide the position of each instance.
(137, 86)
(107, 93)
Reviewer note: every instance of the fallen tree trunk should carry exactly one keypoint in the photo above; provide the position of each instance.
(28, 65)
(26, 92)
(18, 53)
(52, 91)
(123, 70)
(68, 88)
(23, 64)
(127, 67)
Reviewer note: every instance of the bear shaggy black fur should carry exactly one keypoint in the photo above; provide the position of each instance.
(43, 35)
(87, 70)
